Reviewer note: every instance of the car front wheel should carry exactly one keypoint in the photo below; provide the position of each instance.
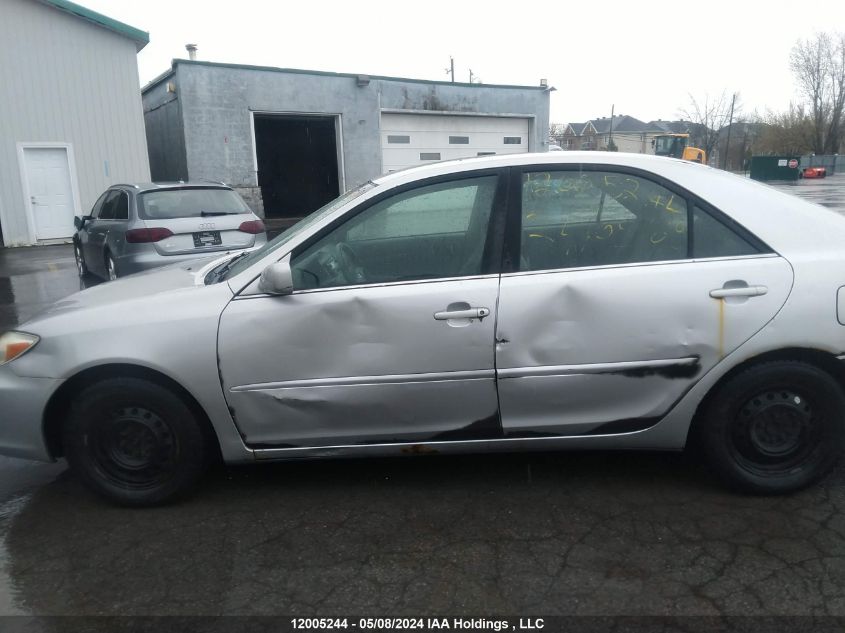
(774, 428)
(134, 442)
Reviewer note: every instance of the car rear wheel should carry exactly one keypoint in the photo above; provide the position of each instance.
(81, 267)
(111, 267)
(134, 442)
(774, 428)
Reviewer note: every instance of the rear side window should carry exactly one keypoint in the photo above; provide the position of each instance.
(194, 202)
(711, 238)
(575, 219)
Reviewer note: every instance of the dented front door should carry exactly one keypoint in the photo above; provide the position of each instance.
(360, 366)
(389, 334)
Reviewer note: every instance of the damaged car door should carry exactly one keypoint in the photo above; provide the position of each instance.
(388, 334)
(626, 291)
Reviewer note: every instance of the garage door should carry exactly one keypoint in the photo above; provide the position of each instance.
(417, 139)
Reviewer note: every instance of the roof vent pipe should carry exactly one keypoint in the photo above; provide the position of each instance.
(192, 51)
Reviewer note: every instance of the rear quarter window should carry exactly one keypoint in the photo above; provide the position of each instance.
(711, 238)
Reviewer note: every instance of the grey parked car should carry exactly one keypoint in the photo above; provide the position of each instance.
(135, 227)
(526, 302)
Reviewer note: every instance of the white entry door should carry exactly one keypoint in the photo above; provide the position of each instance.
(50, 191)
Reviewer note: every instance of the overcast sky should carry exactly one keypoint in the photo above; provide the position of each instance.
(645, 57)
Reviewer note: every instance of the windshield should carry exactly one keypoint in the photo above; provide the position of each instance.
(670, 146)
(168, 204)
(280, 240)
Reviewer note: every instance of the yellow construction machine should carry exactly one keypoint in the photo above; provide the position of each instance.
(677, 146)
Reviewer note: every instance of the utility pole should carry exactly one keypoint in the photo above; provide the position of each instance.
(451, 69)
(728, 140)
(470, 75)
(610, 140)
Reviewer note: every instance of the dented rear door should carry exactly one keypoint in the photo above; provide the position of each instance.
(595, 341)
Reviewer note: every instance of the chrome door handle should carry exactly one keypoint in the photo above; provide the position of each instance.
(470, 313)
(745, 291)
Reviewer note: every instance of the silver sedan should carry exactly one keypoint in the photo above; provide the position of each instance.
(529, 302)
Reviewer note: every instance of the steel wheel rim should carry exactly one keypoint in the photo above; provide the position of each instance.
(133, 447)
(775, 431)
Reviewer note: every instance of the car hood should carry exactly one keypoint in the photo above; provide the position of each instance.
(145, 293)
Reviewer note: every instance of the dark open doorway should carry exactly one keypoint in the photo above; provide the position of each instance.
(297, 163)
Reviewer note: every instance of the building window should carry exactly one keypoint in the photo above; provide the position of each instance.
(486, 153)
(398, 139)
(429, 155)
(458, 140)
(513, 140)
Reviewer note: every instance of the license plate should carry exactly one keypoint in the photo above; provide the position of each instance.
(207, 238)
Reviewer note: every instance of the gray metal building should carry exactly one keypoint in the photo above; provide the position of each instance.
(290, 140)
(71, 122)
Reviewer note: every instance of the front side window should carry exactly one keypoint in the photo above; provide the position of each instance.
(95, 210)
(429, 232)
(246, 260)
(595, 218)
(108, 209)
(121, 206)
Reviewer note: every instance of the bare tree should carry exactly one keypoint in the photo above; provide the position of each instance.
(837, 97)
(789, 132)
(818, 64)
(557, 130)
(710, 114)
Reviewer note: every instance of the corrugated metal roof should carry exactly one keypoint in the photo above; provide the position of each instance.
(141, 38)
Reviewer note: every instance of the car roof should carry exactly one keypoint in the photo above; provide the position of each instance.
(140, 187)
(787, 223)
(643, 161)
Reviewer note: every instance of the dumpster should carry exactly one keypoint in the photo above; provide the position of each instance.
(775, 167)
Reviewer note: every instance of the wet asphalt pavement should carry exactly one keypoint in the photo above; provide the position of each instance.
(570, 533)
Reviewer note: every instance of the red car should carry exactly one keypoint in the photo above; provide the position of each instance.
(814, 172)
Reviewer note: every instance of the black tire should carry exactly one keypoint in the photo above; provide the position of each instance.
(134, 442)
(774, 428)
(81, 266)
(111, 268)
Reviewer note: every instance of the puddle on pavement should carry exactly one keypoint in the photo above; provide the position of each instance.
(8, 511)
(828, 192)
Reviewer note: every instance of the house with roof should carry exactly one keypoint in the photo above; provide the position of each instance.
(71, 122)
(577, 136)
(627, 133)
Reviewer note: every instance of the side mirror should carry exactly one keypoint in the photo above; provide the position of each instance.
(277, 279)
(78, 222)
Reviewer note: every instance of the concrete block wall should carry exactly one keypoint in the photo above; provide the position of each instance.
(216, 102)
